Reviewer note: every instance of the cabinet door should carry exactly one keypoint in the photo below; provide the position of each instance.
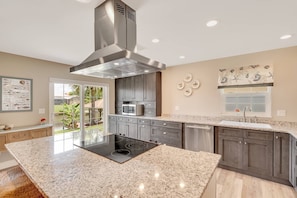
(281, 155)
(130, 89)
(122, 128)
(168, 136)
(2, 142)
(231, 150)
(38, 133)
(149, 87)
(257, 156)
(293, 162)
(132, 130)
(120, 86)
(144, 132)
(18, 136)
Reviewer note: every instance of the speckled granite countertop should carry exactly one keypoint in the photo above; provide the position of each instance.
(163, 171)
(25, 128)
(273, 126)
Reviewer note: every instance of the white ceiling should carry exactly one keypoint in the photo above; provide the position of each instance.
(62, 30)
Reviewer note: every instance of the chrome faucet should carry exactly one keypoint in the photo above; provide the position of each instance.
(244, 110)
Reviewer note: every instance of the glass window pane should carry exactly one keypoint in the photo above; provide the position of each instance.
(258, 99)
(230, 99)
(259, 108)
(244, 99)
(230, 107)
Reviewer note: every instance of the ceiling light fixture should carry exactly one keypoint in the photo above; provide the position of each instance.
(182, 57)
(84, 1)
(155, 40)
(211, 23)
(287, 36)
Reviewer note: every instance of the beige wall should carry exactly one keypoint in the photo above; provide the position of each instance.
(206, 99)
(41, 72)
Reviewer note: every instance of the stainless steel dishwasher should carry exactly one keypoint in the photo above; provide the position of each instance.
(199, 137)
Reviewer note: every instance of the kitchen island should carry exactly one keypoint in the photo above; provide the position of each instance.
(163, 171)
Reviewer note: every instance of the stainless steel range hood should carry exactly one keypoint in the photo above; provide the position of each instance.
(115, 45)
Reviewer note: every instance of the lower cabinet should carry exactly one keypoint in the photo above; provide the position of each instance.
(127, 127)
(293, 162)
(144, 130)
(259, 153)
(24, 134)
(169, 133)
(246, 150)
(281, 155)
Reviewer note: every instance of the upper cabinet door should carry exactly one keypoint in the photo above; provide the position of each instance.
(120, 89)
(134, 88)
(150, 84)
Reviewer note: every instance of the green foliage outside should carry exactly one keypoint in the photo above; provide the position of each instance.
(71, 116)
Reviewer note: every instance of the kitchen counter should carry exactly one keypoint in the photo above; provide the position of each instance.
(163, 171)
(274, 126)
(25, 128)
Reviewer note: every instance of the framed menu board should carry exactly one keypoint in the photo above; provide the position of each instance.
(16, 94)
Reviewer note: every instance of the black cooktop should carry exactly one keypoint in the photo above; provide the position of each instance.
(116, 147)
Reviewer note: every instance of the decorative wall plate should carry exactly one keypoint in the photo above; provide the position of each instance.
(195, 84)
(188, 78)
(188, 91)
(180, 85)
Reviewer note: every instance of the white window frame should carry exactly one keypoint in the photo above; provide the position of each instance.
(82, 84)
(268, 103)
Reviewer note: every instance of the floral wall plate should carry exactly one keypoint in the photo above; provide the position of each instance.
(195, 84)
(180, 85)
(188, 78)
(188, 91)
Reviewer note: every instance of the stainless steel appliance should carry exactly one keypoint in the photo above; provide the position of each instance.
(115, 45)
(115, 147)
(199, 137)
(133, 109)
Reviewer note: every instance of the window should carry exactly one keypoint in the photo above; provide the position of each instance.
(258, 99)
(77, 106)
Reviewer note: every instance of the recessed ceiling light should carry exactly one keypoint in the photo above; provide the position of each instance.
(117, 63)
(84, 1)
(146, 71)
(182, 57)
(211, 23)
(155, 40)
(287, 36)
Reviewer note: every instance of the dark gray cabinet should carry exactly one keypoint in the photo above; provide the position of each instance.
(112, 124)
(142, 89)
(281, 155)
(169, 133)
(231, 150)
(144, 130)
(246, 150)
(293, 162)
(127, 127)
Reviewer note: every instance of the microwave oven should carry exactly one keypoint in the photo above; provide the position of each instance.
(132, 109)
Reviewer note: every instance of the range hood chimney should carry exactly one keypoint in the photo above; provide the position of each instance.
(115, 45)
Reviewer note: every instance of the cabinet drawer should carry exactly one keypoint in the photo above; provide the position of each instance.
(18, 136)
(258, 135)
(132, 120)
(38, 133)
(150, 112)
(230, 132)
(122, 119)
(144, 121)
(149, 105)
(168, 124)
(112, 118)
(168, 136)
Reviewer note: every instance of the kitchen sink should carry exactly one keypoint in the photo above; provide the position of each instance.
(246, 124)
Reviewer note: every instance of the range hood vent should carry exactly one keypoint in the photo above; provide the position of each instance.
(115, 45)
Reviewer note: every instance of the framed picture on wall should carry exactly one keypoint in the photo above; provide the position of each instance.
(15, 94)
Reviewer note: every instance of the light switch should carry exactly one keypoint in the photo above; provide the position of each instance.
(281, 112)
(41, 111)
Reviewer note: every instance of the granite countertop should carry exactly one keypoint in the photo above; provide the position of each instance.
(25, 128)
(270, 126)
(163, 171)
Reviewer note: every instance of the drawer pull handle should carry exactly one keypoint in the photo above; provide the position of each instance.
(244, 142)
(276, 137)
(240, 142)
(164, 133)
(164, 124)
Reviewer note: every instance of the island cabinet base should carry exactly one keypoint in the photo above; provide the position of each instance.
(210, 191)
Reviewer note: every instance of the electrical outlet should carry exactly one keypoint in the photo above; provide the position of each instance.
(281, 112)
(41, 111)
